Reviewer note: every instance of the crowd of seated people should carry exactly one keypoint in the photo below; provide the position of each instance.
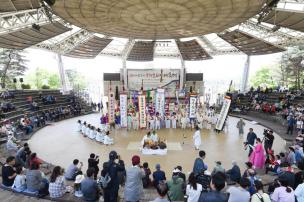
(49, 99)
(200, 185)
(7, 107)
(7, 94)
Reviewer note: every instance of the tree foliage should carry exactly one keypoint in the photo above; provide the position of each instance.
(77, 80)
(266, 76)
(292, 67)
(43, 77)
(12, 65)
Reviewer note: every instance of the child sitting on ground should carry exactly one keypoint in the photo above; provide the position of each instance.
(107, 139)
(20, 181)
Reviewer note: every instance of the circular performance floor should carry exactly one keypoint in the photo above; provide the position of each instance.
(60, 143)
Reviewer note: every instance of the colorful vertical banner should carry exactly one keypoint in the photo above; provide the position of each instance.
(123, 110)
(192, 106)
(111, 112)
(224, 112)
(160, 101)
(142, 111)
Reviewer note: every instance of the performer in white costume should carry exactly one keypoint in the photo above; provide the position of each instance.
(183, 122)
(88, 129)
(83, 128)
(107, 139)
(135, 121)
(152, 123)
(197, 138)
(167, 121)
(174, 118)
(157, 122)
(154, 136)
(99, 136)
(146, 138)
(92, 134)
(79, 128)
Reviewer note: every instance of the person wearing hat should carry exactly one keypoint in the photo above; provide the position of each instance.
(134, 186)
(158, 175)
(176, 187)
(77, 185)
(218, 168)
(112, 167)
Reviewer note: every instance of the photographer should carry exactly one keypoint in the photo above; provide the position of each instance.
(269, 138)
(112, 167)
(93, 162)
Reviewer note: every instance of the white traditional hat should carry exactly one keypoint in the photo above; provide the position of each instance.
(79, 179)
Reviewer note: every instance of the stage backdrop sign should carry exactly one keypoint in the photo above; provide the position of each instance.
(142, 111)
(151, 78)
(224, 112)
(192, 108)
(123, 110)
(111, 107)
(160, 101)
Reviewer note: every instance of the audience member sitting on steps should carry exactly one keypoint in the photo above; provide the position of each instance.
(89, 187)
(77, 185)
(193, 189)
(11, 146)
(73, 170)
(35, 160)
(20, 180)
(176, 187)
(8, 172)
(259, 195)
(162, 190)
(57, 187)
(239, 192)
(234, 174)
(217, 184)
(21, 155)
(36, 181)
(158, 175)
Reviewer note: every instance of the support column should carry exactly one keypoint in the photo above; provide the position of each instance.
(63, 81)
(125, 54)
(245, 76)
(182, 74)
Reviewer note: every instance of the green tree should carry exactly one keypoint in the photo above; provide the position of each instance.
(76, 79)
(12, 64)
(265, 76)
(41, 76)
(292, 67)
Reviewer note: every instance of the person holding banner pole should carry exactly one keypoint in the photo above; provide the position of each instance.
(197, 138)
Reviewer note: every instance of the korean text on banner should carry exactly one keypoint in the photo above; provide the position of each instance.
(142, 111)
(224, 112)
(111, 115)
(123, 110)
(192, 108)
(160, 101)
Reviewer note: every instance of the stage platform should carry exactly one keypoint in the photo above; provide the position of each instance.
(60, 143)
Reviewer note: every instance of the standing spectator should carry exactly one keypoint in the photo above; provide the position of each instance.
(240, 125)
(251, 136)
(176, 185)
(199, 165)
(269, 138)
(112, 167)
(134, 187)
(89, 187)
(259, 196)
(93, 162)
(146, 180)
(73, 170)
(162, 190)
(291, 157)
(290, 124)
(57, 187)
(193, 190)
(8, 172)
(234, 173)
(217, 184)
(158, 175)
(284, 193)
(239, 193)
